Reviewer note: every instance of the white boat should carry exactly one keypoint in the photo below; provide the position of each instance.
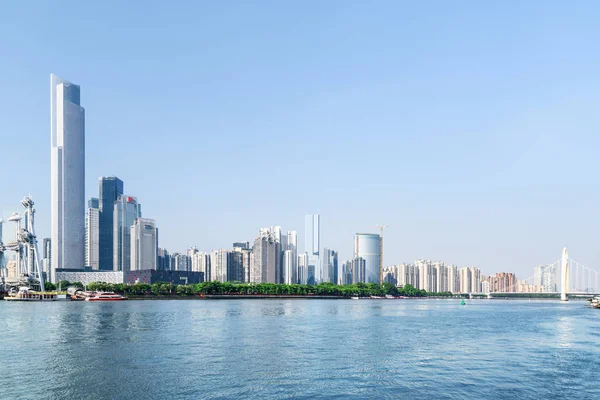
(105, 296)
(26, 294)
(595, 302)
(355, 298)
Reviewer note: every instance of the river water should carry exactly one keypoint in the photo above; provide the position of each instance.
(305, 349)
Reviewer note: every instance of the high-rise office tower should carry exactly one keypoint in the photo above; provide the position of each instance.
(312, 245)
(110, 188)
(235, 271)
(91, 234)
(143, 244)
(289, 267)
(292, 246)
(163, 262)
(190, 253)
(347, 273)
(366, 246)
(247, 260)
(126, 210)
(266, 265)
(330, 266)
(47, 256)
(219, 263)
(302, 274)
(242, 245)
(67, 170)
(292, 241)
(359, 270)
(181, 262)
(276, 231)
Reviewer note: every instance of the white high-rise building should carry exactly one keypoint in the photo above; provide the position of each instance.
(201, 263)
(92, 233)
(441, 276)
(126, 209)
(144, 244)
(302, 268)
(485, 287)
(367, 247)
(292, 245)
(427, 276)
(182, 262)
(453, 280)
(67, 171)
(408, 274)
(289, 267)
(267, 260)
(292, 241)
(475, 280)
(465, 280)
(546, 277)
(219, 262)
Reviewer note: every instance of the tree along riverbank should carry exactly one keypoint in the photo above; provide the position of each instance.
(258, 290)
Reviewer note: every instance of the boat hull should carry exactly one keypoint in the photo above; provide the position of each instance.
(8, 298)
(89, 299)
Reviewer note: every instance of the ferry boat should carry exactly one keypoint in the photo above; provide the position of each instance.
(26, 294)
(594, 302)
(104, 296)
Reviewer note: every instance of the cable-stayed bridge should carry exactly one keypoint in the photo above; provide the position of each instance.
(565, 277)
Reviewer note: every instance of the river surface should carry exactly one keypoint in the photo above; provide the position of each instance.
(305, 349)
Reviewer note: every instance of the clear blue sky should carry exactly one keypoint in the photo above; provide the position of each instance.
(470, 127)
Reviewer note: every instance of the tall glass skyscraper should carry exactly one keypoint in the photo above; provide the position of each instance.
(110, 188)
(330, 266)
(312, 244)
(126, 210)
(91, 234)
(143, 244)
(366, 246)
(67, 170)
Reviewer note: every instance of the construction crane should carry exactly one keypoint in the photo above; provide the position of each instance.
(381, 228)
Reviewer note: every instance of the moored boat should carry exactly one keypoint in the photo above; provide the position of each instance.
(104, 296)
(594, 302)
(26, 294)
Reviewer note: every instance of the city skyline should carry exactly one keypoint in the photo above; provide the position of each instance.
(460, 158)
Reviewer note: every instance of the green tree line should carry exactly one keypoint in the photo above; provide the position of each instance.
(234, 288)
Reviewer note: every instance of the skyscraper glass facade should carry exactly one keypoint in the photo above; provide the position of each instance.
(126, 210)
(366, 246)
(67, 171)
(312, 244)
(110, 188)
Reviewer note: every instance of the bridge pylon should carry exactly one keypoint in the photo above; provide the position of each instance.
(564, 273)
